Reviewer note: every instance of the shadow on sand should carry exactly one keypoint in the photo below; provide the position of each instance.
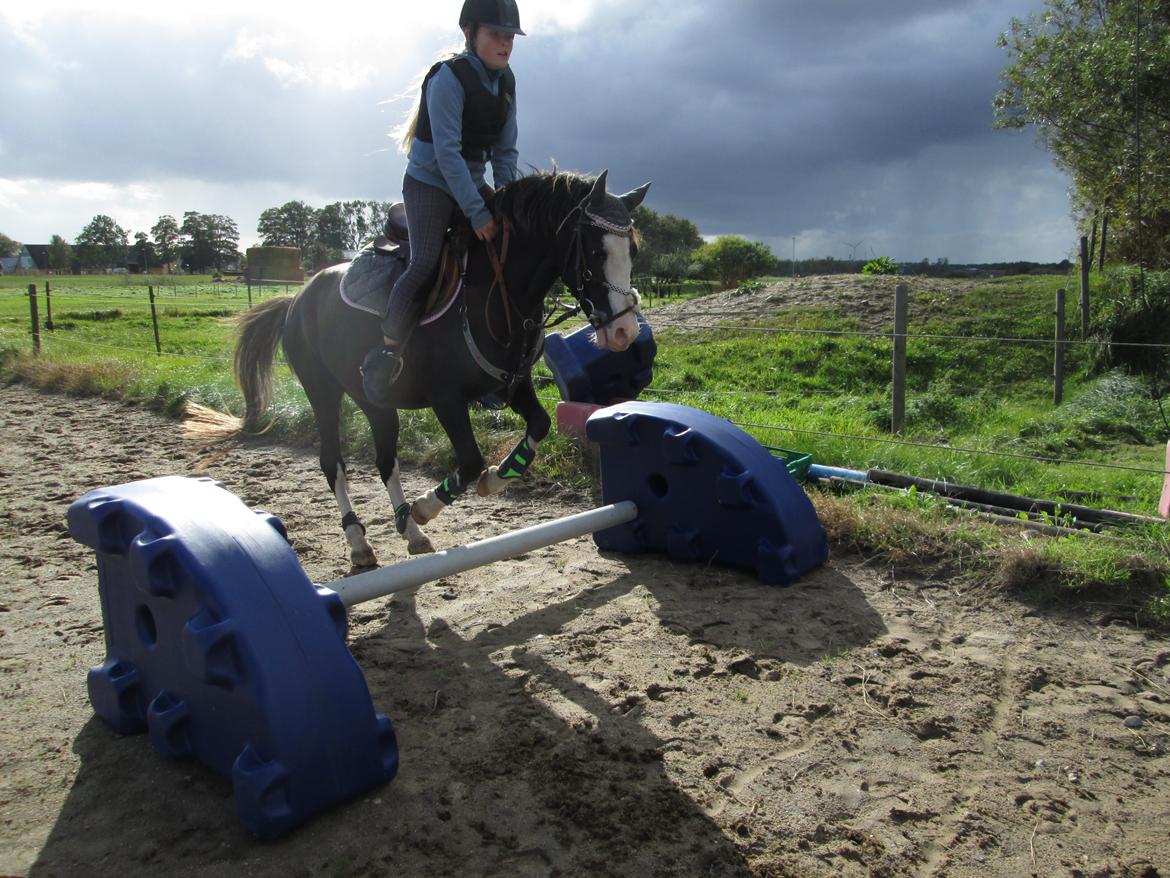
(492, 781)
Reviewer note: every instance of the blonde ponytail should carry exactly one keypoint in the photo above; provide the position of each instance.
(405, 132)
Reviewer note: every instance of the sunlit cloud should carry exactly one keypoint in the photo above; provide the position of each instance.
(89, 191)
(11, 193)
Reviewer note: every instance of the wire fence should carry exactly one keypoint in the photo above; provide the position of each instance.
(69, 304)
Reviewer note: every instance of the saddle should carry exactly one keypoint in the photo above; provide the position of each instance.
(395, 233)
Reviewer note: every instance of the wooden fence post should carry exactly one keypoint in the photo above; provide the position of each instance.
(154, 320)
(898, 416)
(36, 323)
(1058, 366)
(1104, 236)
(1085, 258)
(48, 307)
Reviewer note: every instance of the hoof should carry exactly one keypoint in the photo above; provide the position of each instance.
(425, 509)
(363, 560)
(355, 569)
(482, 486)
(489, 482)
(420, 546)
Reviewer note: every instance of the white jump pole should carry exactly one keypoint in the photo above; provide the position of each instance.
(417, 571)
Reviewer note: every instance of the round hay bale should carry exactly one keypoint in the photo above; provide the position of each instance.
(274, 263)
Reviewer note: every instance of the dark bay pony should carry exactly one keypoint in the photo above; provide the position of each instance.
(559, 225)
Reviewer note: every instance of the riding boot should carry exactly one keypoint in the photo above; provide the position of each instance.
(380, 369)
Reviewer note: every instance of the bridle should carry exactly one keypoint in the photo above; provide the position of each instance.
(599, 317)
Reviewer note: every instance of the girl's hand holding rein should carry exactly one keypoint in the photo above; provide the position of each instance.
(487, 231)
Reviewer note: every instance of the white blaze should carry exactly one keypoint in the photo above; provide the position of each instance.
(619, 267)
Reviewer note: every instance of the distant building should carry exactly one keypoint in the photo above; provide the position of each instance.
(39, 253)
(32, 257)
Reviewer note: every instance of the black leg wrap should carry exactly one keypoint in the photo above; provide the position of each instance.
(401, 514)
(449, 489)
(351, 518)
(516, 464)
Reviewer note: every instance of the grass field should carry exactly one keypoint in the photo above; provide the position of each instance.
(979, 411)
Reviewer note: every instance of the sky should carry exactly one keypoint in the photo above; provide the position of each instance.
(830, 128)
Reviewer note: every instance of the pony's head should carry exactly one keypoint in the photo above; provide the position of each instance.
(596, 245)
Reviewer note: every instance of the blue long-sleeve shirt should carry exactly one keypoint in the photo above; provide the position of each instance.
(441, 164)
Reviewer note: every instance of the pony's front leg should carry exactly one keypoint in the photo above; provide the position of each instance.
(384, 424)
(452, 414)
(537, 423)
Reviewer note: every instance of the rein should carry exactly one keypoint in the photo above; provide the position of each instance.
(531, 348)
(498, 261)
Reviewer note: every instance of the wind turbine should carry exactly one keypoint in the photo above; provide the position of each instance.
(853, 253)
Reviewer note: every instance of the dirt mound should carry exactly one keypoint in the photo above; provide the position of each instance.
(869, 299)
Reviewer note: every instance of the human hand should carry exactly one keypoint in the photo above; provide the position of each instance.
(487, 231)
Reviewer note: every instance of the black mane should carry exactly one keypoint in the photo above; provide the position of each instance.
(537, 204)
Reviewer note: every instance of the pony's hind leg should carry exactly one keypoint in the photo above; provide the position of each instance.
(537, 423)
(361, 553)
(384, 425)
(325, 398)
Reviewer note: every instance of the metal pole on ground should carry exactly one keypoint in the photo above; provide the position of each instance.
(416, 571)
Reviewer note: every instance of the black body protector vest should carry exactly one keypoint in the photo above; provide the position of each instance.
(484, 113)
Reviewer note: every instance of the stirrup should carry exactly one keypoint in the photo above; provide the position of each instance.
(380, 370)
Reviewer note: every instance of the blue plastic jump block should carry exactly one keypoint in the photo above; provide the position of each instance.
(705, 490)
(219, 646)
(583, 372)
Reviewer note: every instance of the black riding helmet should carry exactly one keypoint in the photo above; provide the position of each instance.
(502, 15)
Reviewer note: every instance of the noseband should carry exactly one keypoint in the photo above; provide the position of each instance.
(599, 317)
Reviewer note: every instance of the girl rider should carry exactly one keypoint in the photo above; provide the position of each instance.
(465, 118)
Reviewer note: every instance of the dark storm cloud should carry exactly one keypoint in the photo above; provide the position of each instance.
(832, 121)
(774, 118)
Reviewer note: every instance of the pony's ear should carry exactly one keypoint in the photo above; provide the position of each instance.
(597, 193)
(634, 197)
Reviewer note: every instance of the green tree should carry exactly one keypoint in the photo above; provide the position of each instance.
(666, 243)
(368, 219)
(731, 259)
(144, 250)
(208, 242)
(101, 244)
(165, 234)
(293, 224)
(8, 247)
(334, 229)
(1094, 77)
(60, 254)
